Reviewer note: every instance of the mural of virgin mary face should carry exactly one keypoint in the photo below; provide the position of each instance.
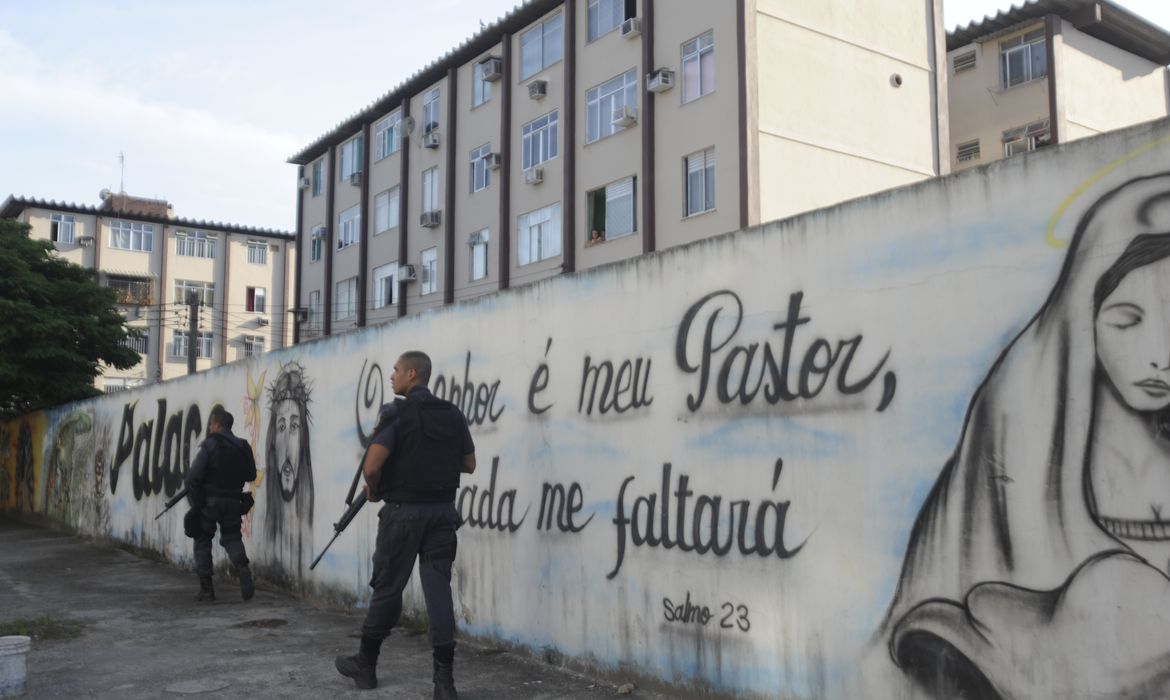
(1133, 337)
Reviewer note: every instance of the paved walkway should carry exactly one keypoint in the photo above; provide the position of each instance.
(120, 626)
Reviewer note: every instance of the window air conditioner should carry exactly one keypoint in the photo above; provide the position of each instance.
(493, 68)
(85, 241)
(407, 273)
(355, 179)
(300, 315)
(303, 183)
(261, 320)
(431, 219)
(477, 238)
(631, 28)
(537, 89)
(534, 176)
(319, 234)
(660, 80)
(431, 139)
(625, 116)
(492, 161)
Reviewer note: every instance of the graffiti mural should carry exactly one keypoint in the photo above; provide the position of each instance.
(252, 411)
(288, 524)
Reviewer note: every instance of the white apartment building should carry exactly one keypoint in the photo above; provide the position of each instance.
(156, 261)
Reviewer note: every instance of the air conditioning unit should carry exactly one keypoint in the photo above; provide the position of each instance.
(85, 241)
(492, 161)
(303, 183)
(625, 116)
(492, 68)
(534, 176)
(537, 89)
(319, 234)
(631, 28)
(355, 179)
(431, 219)
(660, 80)
(261, 320)
(407, 273)
(431, 139)
(300, 315)
(477, 238)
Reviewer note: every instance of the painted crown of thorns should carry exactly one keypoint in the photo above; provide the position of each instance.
(290, 385)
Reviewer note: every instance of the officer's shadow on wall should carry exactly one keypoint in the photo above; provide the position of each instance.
(288, 481)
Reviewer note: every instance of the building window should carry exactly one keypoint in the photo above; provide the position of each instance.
(605, 99)
(255, 300)
(140, 342)
(538, 235)
(387, 134)
(386, 210)
(431, 111)
(61, 228)
(698, 66)
(253, 345)
(315, 309)
(349, 222)
(430, 189)
(700, 182)
(963, 61)
(1026, 138)
(127, 235)
(346, 304)
(203, 291)
(1023, 58)
(258, 252)
(540, 140)
(203, 347)
(965, 152)
(540, 47)
(131, 290)
(316, 243)
(607, 15)
(350, 157)
(429, 269)
(385, 285)
(481, 177)
(479, 255)
(481, 90)
(611, 210)
(195, 244)
(318, 176)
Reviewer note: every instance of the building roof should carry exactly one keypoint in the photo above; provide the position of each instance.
(14, 205)
(520, 17)
(1102, 19)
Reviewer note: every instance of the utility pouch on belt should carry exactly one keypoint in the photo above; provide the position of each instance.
(191, 523)
(247, 500)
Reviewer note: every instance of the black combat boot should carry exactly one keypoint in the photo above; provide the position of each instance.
(445, 673)
(247, 587)
(206, 592)
(361, 667)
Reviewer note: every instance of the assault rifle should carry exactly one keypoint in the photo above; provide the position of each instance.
(174, 500)
(354, 503)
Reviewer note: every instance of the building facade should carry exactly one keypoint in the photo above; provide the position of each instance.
(1052, 71)
(239, 275)
(575, 133)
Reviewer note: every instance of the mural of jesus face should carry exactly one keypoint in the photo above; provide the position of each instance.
(1133, 337)
(288, 445)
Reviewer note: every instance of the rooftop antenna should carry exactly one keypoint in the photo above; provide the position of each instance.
(122, 176)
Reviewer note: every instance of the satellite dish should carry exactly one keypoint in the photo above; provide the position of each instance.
(407, 126)
(104, 194)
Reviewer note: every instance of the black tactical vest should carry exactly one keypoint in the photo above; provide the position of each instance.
(427, 456)
(231, 463)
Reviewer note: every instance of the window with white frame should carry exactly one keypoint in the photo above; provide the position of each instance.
(538, 234)
(315, 310)
(349, 159)
(541, 46)
(253, 345)
(481, 89)
(604, 100)
(386, 210)
(700, 181)
(205, 344)
(1023, 58)
(429, 269)
(607, 15)
(255, 300)
(316, 243)
(61, 228)
(387, 134)
(318, 176)
(195, 244)
(430, 189)
(431, 111)
(140, 342)
(130, 235)
(258, 252)
(481, 177)
(698, 66)
(203, 291)
(349, 223)
(345, 305)
(539, 138)
(611, 210)
(1026, 138)
(385, 292)
(479, 255)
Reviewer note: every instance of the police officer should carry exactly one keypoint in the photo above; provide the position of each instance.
(216, 477)
(413, 465)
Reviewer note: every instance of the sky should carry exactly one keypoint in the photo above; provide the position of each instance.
(201, 102)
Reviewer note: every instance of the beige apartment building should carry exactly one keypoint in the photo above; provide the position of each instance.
(1052, 71)
(137, 246)
(574, 133)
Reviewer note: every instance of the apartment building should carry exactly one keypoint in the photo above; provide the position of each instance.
(156, 261)
(574, 133)
(1051, 71)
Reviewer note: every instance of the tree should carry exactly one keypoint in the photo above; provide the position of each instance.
(57, 326)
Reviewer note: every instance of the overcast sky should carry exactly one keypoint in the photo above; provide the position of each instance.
(208, 98)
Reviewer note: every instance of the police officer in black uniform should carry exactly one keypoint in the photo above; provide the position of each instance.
(413, 465)
(216, 477)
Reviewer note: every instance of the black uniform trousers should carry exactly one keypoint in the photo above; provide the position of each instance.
(407, 531)
(223, 512)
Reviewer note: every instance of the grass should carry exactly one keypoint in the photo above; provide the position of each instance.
(42, 628)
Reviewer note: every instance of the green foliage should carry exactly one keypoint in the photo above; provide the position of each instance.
(41, 628)
(57, 326)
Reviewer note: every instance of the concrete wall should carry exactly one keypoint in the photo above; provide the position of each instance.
(705, 465)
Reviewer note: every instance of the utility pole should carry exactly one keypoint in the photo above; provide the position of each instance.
(192, 329)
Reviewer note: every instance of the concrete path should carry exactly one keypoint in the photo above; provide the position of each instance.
(119, 626)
